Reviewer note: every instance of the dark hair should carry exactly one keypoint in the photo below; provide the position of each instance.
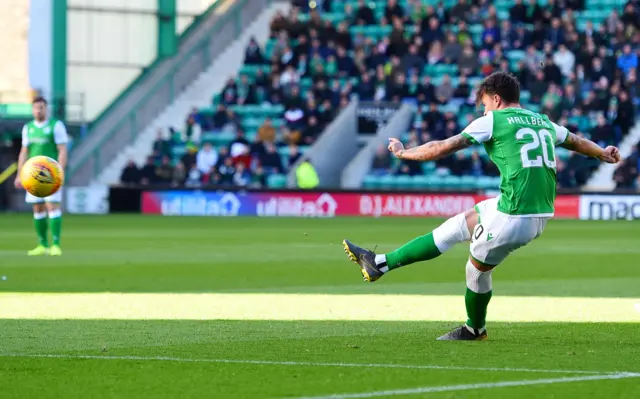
(503, 84)
(39, 100)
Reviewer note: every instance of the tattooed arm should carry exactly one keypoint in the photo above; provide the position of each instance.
(591, 149)
(432, 150)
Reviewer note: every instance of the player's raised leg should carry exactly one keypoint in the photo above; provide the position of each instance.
(41, 225)
(453, 231)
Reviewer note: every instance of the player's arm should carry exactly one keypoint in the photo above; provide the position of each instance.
(432, 150)
(478, 131)
(61, 138)
(22, 156)
(591, 149)
(62, 155)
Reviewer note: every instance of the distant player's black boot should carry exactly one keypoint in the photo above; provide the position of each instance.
(463, 333)
(365, 259)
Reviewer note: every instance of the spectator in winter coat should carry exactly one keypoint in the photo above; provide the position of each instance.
(206, 158)
(625, 117)
(565, 60)
(242, 176)
(148, 172)
(266, 132)
(627, 59)
(130, 174)
(270, 160)
(253, 53)
(179, 175)
(164, 172)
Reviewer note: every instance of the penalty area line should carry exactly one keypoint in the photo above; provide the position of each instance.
(312, 364)
(466, 387)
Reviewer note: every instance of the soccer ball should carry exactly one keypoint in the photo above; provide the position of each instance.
(42, 176)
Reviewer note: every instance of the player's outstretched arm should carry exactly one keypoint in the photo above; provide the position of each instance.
(430, 151)
(591, 149)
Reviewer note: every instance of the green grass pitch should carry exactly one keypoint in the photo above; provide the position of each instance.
(151, 307)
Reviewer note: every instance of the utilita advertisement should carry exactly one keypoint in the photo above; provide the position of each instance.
(328, 204)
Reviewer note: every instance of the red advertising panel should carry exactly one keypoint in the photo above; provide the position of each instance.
(567, 207)
(305, 204)
(319, 204)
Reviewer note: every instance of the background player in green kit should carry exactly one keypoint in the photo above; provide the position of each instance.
(521, 144)
(48, 137)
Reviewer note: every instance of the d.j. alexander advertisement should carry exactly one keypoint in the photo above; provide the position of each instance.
(327, 204)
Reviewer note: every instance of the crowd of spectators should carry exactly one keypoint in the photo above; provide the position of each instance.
(585, 80)
(239, 163)
(584, 76)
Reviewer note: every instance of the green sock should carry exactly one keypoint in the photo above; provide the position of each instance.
(477, 308)
(40, 222)
(416, 250)
(56, 227)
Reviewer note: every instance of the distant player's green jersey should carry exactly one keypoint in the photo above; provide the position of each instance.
(522, 145)
(43, 138)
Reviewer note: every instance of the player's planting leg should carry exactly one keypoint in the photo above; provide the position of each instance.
(41, 225)
(477, 297)
(453, 231)
(55, 219)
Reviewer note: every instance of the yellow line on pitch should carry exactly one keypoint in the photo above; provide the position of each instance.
(309, 307)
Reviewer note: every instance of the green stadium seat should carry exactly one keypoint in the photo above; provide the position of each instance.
(386, 182)
(451, 182)
(449, 108)
(263, 111)
(440, 69)
(178, 150)
(594, 15)
(372, 31)
(467, 182)
(476, 29)
(255, 123)
(277, 181)
(252, 70)
(428, 168)
(370, 182)
(484, 183)
(516, 55)
(217, 138)
(421, 182)
(403, 182)
(562, 153)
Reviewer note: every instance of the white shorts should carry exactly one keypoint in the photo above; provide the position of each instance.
(497, 234)
(32, 199)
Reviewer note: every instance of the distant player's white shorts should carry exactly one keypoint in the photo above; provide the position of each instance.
(32, 199)
(497, 234)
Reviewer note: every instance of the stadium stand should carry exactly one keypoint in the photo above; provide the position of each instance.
(576, 59)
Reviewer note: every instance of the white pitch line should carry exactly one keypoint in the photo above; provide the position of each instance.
(313, 364)
(466, 387)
